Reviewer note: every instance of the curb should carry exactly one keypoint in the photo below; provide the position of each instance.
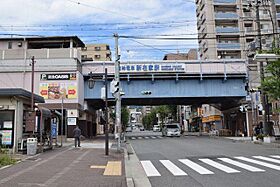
(277, 145)
(135, 174)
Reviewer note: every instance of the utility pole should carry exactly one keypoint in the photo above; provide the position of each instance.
(263, 96)
(117, 94)
(32, 83)
(106, 114)
(62, 121)
(274, 23)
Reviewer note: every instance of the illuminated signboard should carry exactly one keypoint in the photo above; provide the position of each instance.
(164, 67)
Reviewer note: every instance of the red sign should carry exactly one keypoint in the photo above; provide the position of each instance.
(72, 92)
(44, 92)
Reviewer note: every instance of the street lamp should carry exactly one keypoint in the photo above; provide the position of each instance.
(91, 83)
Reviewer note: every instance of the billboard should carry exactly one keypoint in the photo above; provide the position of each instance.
(58, 90)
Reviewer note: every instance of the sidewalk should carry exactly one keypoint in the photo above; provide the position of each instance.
(68, 166)
(249, 140)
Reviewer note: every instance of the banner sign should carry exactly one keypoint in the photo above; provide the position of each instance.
(54, 130)
(6, 137)
(64, 76)
(58, 90)
(163, 67)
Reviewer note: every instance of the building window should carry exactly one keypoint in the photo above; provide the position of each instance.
(97, 48)
(97, 56)
(10, 45)
(107, 47)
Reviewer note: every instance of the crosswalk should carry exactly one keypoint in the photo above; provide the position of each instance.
(208, 166)
(144, 137)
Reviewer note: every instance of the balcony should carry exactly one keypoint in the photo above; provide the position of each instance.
(63, 53)
(228, 46)
(228, 15)
(225, 30)
(218, 2)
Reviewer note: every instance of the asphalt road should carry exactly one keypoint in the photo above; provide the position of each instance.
(205, 161)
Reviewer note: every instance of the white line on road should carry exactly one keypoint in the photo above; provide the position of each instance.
(275, 156)
(150, 169)
(10, 177)
(173, 168)
(153, 137)
(139, 137)
(241, 165)
(159, 137)
(259, 162)
(219, 166)
(267, 159)
(196, 167)
(147, 137)
(133, 138)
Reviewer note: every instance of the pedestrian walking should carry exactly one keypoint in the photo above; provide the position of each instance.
(77, 135)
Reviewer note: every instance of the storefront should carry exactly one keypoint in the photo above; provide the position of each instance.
(213, 122)
(14, 107)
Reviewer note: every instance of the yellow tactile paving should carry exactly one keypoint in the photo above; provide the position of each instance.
(113, 168)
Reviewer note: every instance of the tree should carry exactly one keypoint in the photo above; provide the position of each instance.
(124, 116)
(271, 83)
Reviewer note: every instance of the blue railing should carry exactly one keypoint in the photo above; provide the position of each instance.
(229, 15)
(224, 1)
(227, 30)
(228, 45)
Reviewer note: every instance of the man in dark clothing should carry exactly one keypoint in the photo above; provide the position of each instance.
(77, 133)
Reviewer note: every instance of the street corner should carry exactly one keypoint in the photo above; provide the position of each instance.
(112, 168)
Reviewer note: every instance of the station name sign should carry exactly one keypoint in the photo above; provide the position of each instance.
(163, 67)
(63, 76)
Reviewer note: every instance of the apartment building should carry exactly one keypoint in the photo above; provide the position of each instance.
(190, 55)
(228, 28)
(96, 52)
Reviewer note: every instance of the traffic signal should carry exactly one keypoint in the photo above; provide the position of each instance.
(114, 86)
(146, 92)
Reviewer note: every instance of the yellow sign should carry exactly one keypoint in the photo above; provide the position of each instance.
(211, 118)
(58, 90)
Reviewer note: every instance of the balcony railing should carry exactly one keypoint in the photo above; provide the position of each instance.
(10, 54)
(229, 30)
(228, 15)
(224, 1)
(228, 46)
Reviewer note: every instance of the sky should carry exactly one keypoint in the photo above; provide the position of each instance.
(139, 23)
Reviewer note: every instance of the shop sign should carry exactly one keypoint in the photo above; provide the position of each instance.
(62, 76)
(7, 124)
(211, 118)
(30, 121)
(72, 121)
(6, 137)
(54, 130)
(58, 90)
(72, 113)
(162, 67)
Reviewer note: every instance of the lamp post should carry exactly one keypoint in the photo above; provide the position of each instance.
(91, 83)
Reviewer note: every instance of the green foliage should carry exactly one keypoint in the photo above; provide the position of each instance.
(5, 158)
(150, 119)
(271, 83)
(125, 116)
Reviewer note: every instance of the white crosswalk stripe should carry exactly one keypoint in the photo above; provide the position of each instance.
(159, 137)
(146, 137)
(219, 166)
(140, 137)
(133, 138)
(275, 156)
(173, 168)
(241, 165)
(153, 137)
(272, 166)
(267, 159)
(150, 169)
(196, 167)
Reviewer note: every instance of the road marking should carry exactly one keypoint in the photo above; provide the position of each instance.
(133, 138)
(241, 165)
(159, 137)
(10, 177)
(113, 168)
(259, 162)
(150, 169)
(196, 167)
(219, 166)
(173, 168)
(140, 137)
(153, 137)
(97, 167)
(275, 156)
(146, 137)
(267, 159)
